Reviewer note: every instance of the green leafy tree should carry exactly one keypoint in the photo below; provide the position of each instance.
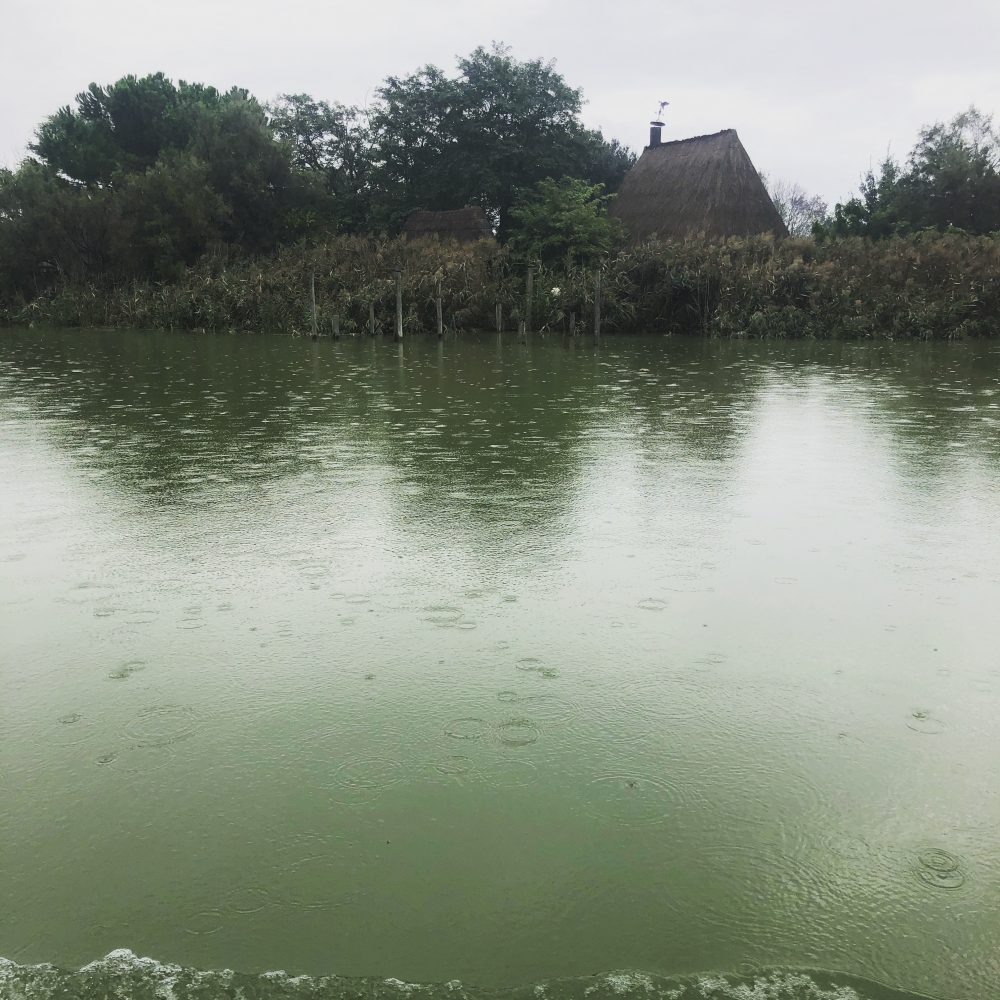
(954, 176)
(951, 180)
(52, 229)
(118, 132)
(252, 173)
(173, 168)
(175, 214)
(496, 128)
(332, 142)
(563, 222)
(124, 127)
(874, 212)
(604, 162)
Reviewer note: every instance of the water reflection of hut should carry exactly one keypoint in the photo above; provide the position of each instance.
(705, 185)
(464, 225)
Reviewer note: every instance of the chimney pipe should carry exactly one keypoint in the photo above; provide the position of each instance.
(654, 133)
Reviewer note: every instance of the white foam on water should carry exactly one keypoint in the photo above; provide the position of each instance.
(624, 982)
(121, 973)
(773, 986)
(398, 984)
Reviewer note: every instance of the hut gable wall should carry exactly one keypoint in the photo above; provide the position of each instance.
(465, 225)
(706, 185)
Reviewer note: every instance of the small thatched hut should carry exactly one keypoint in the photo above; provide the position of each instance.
(706, 185)
(464, 225)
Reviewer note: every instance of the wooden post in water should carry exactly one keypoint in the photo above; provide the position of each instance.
(528, 296)
(437, 304)
(597, 303)
(335, 324)
(572, 324)
(499, 318)
(312, 303)
(399, 303)
(371, 319)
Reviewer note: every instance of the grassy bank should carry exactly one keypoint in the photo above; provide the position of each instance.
(927, 286)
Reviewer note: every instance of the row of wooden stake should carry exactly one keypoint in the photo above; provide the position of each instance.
(525, 323)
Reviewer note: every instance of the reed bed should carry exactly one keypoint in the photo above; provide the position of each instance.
(927, 286)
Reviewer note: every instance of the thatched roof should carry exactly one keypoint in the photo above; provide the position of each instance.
(466, 225)
(705, 185)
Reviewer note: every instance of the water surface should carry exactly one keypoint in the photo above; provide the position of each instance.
(503, 663)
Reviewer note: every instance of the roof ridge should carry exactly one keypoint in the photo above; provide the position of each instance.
(694, 138)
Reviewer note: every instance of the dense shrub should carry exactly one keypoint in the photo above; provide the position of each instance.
(929, 285)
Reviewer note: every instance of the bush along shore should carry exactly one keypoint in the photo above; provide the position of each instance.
(925, 286)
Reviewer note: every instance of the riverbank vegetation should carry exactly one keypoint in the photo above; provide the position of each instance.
(155, 204)
(925, 286)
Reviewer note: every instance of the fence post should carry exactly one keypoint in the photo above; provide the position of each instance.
(529, 295)
(437, 303)
(597, 302)
(312, 303)
(399, 303)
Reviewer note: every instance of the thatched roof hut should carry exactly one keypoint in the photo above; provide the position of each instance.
(465, 225)
(706, 185)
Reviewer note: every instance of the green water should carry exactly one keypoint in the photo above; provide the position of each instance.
(499, 663)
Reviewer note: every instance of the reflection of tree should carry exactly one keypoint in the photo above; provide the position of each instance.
(696, 400)
(164, 413)
(925, 399)
(483, 430)
(163, 410)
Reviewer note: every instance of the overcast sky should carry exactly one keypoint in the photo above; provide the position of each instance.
(817, 91)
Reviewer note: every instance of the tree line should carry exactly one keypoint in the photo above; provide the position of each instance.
(951, 181)
(142, 177)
